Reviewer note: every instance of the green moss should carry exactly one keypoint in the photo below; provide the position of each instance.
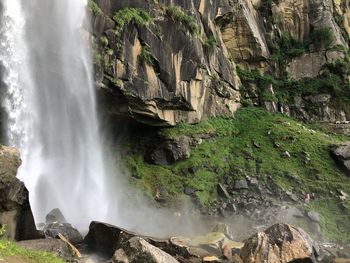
(11, 250)
(177, 14)
(95, 9)
(127, 15)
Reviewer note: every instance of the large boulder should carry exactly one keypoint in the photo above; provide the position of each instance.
(15, 211)
(137, 250)
(65, 229)
(105, 239)
(341, 154)
(170, 151)
(280, 243)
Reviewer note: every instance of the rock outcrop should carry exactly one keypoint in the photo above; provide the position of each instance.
(171, 68)
(15, 212)
(177, 61)
(342, 156)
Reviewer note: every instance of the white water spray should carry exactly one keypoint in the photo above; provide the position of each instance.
(51, 107)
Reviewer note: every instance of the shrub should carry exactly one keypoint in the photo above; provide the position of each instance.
(210, 43)
(177, 14)
(126, 15)
(322, 37)
(146, 56)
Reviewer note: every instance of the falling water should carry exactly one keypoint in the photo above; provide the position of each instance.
(51, 107)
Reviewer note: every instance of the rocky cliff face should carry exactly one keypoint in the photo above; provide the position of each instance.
(165, 62)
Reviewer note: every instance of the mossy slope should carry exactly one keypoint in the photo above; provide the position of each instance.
(253, 143)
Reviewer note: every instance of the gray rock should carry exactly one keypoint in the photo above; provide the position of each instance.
(65, 229)
(341, 154)
(137, 250)
(222, 192)
(170, 151)
(55, 216)
(241, 184)
(314, 216)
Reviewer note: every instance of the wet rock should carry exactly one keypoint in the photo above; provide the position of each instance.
(65, 229)
(105, 239)
(170, 151)
(314, 216)
(222, 192)
(15, 211)
(223, 228)
(55, 216)
(280, 243)
(137, 250)
(241, 184)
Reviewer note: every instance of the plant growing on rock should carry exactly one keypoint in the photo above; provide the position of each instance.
(322, 37)
(128, 14)
(177, 14)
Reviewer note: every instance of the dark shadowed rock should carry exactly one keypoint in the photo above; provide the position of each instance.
(70, 233)
(137, 250)
(55, 215)
(280, 243)
(170, 151)
(222, 192)
(341, 154)
(15, 211)
(105, 238)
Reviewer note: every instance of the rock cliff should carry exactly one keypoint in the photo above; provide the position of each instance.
(165, 62)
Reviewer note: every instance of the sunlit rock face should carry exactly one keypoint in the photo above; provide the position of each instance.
(189, 78)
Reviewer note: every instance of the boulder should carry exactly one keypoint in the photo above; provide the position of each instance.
(137, 250)
(65, 229)
(55, 216)
(341, 154)
(314, 216)
(105, 239)
(170, 151)
(15, 211)
(280, 243)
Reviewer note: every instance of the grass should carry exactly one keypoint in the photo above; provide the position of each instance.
(177, 14)
(228, 153)
(128, 14)
(95, 9)
(11, 250)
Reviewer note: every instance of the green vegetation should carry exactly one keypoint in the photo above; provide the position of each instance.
(177, 14)
(229, 154)
(10, 250)
(95, 8)
(210, 43)
(127, 15)
(322, 37)
(146, 56)
(285, 89)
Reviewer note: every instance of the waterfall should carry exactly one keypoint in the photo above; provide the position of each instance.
(50, 101)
